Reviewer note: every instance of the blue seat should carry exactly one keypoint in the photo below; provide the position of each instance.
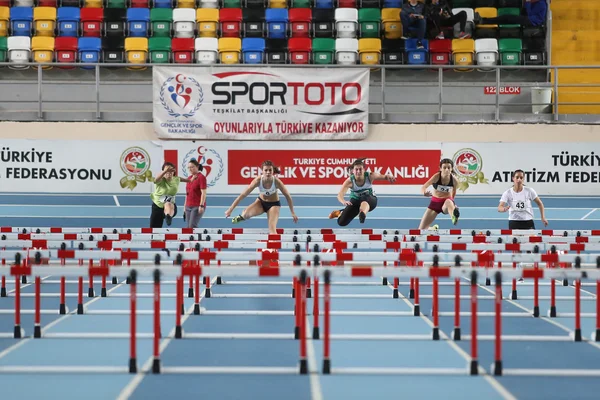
(323, 3)
(21, 20)
(414, 55)
(392, 4)
(253, 50)
(138, 21)
(163, 4)
(277, 21)
(68, 21)
(89, 50)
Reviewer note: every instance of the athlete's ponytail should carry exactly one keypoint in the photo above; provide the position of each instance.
(269, 163)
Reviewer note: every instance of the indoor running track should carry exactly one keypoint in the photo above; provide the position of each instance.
(403, 212)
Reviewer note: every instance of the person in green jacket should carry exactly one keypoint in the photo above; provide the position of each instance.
(166, 186)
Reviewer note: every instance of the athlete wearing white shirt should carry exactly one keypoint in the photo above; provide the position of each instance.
(517, 200)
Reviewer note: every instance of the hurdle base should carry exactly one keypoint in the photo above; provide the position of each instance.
(196, 309)
(204, 280)
(3, 292)
(103, 292)
(436, 333)
(17, 332)
(474, 367)
(191, 292)
(79, 308)
(37, 331)
(514, 296)
(308, 293)
(297, 332)
(91, 292)
(395, 295)
(62, 309)
(316, 334)
(128, 281)
(536, 311)
(219, 280)
(498, 368)
(182, 309)
(597, 336)
(327, 366)
(156, 366)
(411, 294)
(178, 332)
(384, 281)
(553, 311)
(456, 334)
(293, 293)
(303, 367)
(207, 293)
(565, 282)
(488, 281)
(24, 279)
(417, 310)
(577, 335)
(132, 366)
(114, 280)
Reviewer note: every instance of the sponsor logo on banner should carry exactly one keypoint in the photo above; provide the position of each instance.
(327, 167)
(468, 166)
(135, 163)
(211, 161)
(261, 104)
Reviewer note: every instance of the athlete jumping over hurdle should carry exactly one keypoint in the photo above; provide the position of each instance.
(166, 186)
(362, 198)
(444, 190)
(517, 201)
(268, 199)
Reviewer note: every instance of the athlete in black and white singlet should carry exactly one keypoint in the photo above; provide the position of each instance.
(517, 201)
(267, 191)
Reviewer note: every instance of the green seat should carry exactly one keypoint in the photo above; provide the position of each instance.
(160, 50)
(369, 22)
(509, 11)
(300, 4)
(161, 20)
(323, 50)
(510, 51)
(116, 4)
(232, 4)
(3, 48)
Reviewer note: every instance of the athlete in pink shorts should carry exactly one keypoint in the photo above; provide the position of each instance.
(442, 200)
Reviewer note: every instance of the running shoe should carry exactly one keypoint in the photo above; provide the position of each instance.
(361, 217)
(237, 220)
(434, 227)
(455, 216)
(335, 214)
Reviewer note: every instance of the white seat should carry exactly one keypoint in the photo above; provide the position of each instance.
(207, 50)
(208, 4)
(19, 51)
(486, 53)
(346, 51)
(23, 3)
(184, 22)
(469, 27)
(346, 22)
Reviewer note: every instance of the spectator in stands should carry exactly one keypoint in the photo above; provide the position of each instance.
(413, 16)
(195, 201)
(441, 14)
(536, 15)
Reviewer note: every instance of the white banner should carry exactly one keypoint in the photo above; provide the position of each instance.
(571, 169)
(244, 103)
(78, 166)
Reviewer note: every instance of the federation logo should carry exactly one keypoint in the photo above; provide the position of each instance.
(181, 96)
(135, 163)
(211, 161)
(468, 166)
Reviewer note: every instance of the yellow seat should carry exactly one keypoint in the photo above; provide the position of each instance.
(42, 49)
(463, 53)
(207, 20)
(45, 20)
(487, 12)
(278, 4)
(392, 25)
(229, 50)
(136, 51)
(186, 4)
(369, 51)
(4, 16)
(93, 3)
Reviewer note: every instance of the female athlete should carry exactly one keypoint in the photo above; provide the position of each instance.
(268, 199)
(442, 200)
(517, 201)
(166, 186)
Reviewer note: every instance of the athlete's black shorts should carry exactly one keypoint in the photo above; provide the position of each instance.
(351, 211)
(266, 205)
(521, 225)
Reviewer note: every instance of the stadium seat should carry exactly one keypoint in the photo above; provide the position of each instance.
(369, 51)
(208, 4)
(21, 20)
(486, 31)
(45, 3)
(44, 19)
(369, 4)
(369, 22)
(277, 51)
(136, 51)
(42, 50)
(415, 55)
(89, 50)
(19, 51)
(323, 4)
(4, 18)
(89, 3)
(182, 50)
(138, 4)
(277, 21)
(510, 51)
(484, 3)
(3, 48)
(207, 50)
(161, 21)
(346, 51)
(392, 3)
(184, 22)
(229, 50)
(534, 51)
(113, 50)
(159, 50)
(346, 22)
(512, 30)
(486, 52)
(231, 4)
(207, 21)
(138, 21)
(393, 51)
(469, 27)
(23, 3)
(300, 22)
(185, 4)
(534, 32)
(230, 20)
(345, 4)
(510, 3)
(253, 4)
(463, 53)
(91, 21)
(67, 19)
(299, 49)
(65, 49)
(323, 20)
(323, 50)
(253, 50)
(392, 26)
(114, 22)
(162, 4)
(114, 3)
(300, 4)
(277, 3)
(254, 23)
(440, 51)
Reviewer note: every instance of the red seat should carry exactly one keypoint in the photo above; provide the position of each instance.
(139, 4)
(441, 51)
(230, 20)
(4, 3)
(300, 21)
(45, 3)
(300, 49)
(183, 50)
(65, 49)
(346, 4)
(91, 21)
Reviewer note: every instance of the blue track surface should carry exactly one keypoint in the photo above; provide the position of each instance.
(393, 212)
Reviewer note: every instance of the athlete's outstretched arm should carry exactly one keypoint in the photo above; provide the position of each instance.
(287, 196)
(540, 205)
(347, 185)
(242, 196)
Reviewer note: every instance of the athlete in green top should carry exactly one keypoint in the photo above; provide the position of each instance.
(166, 186)
(362, 198)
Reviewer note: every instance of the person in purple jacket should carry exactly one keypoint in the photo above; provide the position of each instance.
(536, 15)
